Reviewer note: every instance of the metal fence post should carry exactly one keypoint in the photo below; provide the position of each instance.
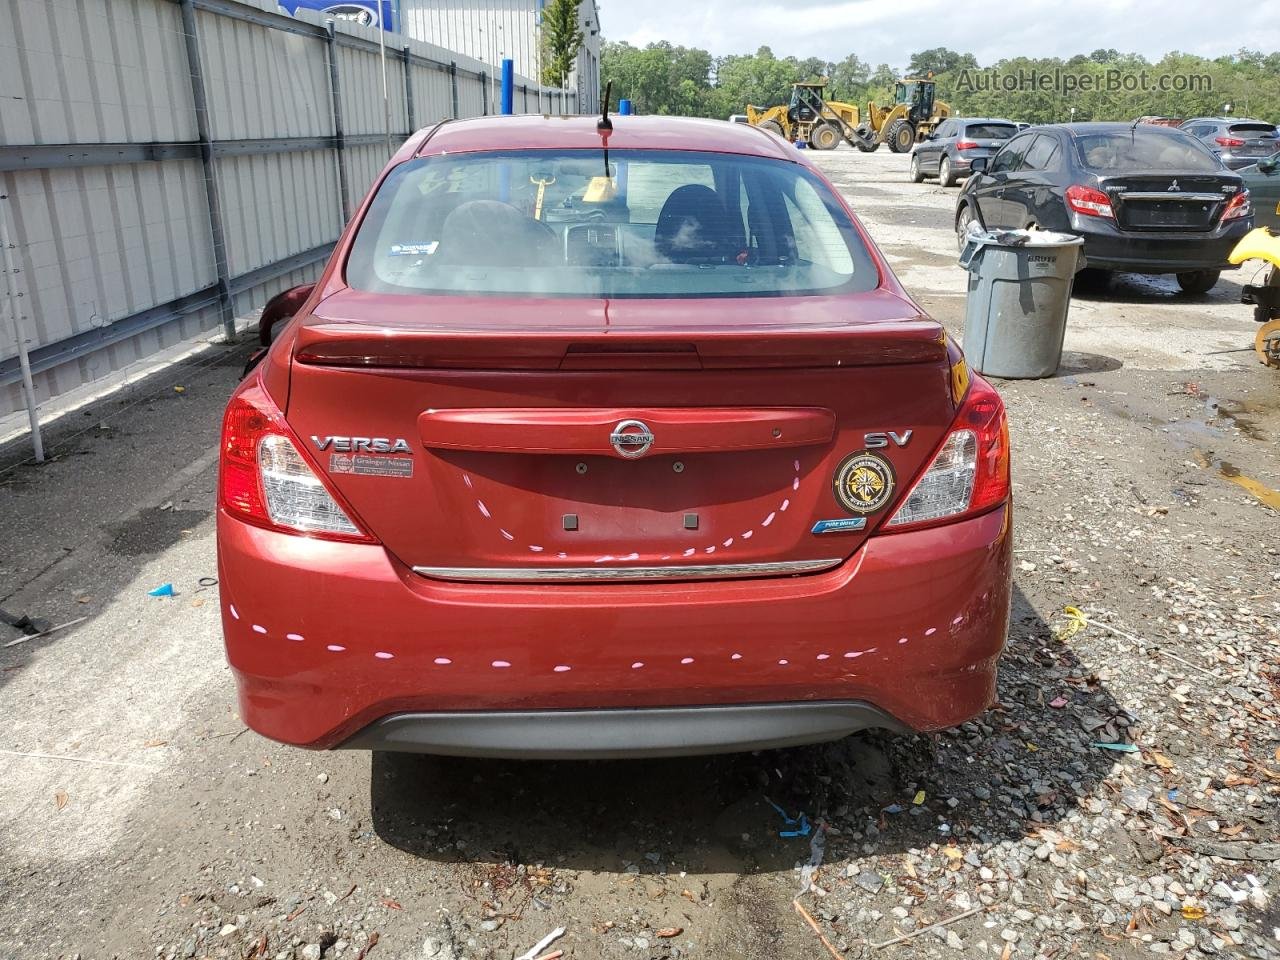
(484, 91)
(12, 294)
(200, 99)
(453, 83)
(408, 92)
(335, 97)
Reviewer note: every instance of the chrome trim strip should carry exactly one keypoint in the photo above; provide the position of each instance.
(717, 571)
(1173, 196)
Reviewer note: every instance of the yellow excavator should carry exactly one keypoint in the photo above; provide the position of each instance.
(823, 123)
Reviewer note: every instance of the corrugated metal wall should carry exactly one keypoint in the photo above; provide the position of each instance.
(108, 203)
(492, 29)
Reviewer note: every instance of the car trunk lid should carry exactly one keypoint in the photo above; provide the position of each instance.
(589, 439)
(1169, 202)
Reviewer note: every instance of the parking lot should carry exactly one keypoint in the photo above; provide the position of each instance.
(139, 818)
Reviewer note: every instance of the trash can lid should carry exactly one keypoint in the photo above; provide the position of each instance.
(975, 239)
(1022, 238)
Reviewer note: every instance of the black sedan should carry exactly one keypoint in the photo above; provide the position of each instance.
(1146, 199)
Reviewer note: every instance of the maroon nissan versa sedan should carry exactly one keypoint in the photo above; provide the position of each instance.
(608, 443)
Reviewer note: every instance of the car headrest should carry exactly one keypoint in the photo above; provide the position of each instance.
(695, 227)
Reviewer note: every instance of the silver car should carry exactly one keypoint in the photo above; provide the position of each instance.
(1237, 142)
(951, 148)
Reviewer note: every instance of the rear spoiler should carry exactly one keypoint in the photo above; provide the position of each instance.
(873, 344)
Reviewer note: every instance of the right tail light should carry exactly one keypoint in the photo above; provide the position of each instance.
(1237, 207)
(969, 474)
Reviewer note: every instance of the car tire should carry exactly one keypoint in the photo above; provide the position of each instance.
(1198, 281)
(824, 136)
(900, 136)
(1093, 280)
(946, 176)
(916, 174)
(964, 217)
(773, 126)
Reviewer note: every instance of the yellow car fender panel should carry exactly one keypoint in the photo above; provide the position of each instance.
(1257, 244)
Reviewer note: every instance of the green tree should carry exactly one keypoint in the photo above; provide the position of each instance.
(848, 78)
(659, 78)
(664, 78)
(939, 60)
(561, 40)
(762, 80)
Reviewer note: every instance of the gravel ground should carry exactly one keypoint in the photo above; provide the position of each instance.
(1120, 801)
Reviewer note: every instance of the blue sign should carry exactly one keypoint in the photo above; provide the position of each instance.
(367, 13)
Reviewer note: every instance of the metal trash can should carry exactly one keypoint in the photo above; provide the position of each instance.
(1019, 291)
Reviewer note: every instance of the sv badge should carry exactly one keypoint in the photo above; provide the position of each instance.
(878, 441)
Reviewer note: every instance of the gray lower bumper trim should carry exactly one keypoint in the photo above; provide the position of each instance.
(644, 732)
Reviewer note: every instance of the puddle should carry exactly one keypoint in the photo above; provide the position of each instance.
(1234, 415)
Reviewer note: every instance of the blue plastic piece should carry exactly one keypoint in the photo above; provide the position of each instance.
(799, 826)
(164, 590)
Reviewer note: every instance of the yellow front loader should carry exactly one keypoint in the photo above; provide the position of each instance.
(810, 117)
(914, 115)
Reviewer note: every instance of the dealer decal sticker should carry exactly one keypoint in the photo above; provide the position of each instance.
(364, 465)
(413, 249)
(863, 482)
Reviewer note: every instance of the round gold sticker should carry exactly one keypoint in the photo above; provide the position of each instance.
(863, 482)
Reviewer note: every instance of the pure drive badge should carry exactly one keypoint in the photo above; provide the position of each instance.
(863, 482)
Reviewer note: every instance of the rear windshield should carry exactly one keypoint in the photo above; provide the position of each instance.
(990, 131)
(1140, 150)
(658, 224)
(1254, 129)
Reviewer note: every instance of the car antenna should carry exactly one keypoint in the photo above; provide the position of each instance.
(601, 189)
(605, 123)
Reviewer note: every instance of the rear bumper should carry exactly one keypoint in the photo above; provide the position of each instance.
(340, 644)
(613, 734)
(1108, 248)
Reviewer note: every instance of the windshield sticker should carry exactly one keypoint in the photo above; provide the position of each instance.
(413, 249)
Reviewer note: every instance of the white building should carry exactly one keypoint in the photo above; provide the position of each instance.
(491, 30)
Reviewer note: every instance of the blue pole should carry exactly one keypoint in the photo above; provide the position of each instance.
(508, 86)
(624, 108)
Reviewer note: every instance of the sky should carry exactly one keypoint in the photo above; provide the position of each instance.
(889, 31)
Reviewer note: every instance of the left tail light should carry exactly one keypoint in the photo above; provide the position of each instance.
(264, 479)
(1088, 201)
(966, 144)
(970, 472)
